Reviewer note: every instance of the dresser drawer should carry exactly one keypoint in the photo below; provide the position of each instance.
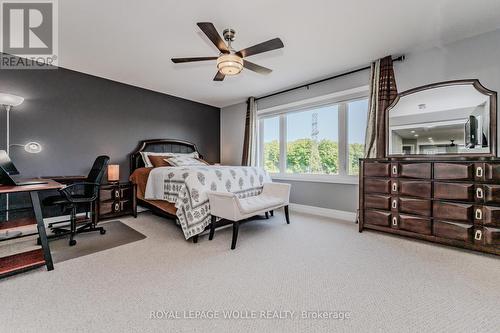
(454, 171)
(125, 205)
(113, 207)
(414, 188)
(487, 215)
(454, 191)
(487, 193)
(419, 225)
(487, 236)
(106, 194)
(452, 230)
(378, 201)
(377, 217)
(110, 193)
(377, 169)
(126, 192)
(414, 206)
(373, 185)
(452, 211)
(487, 172)
(109, 207)
(491, 236)
(413, 170)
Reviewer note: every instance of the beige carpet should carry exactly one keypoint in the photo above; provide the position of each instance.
(387, 284)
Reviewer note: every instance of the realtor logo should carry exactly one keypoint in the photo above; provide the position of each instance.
(29, 34)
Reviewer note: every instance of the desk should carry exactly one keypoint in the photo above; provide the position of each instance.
(66, 180)
(21, 262)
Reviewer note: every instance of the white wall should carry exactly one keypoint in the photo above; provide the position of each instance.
(472, 58)
(232, 132)
(305, 193)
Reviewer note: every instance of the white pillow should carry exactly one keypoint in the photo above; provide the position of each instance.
(148, 164)
(184, 161)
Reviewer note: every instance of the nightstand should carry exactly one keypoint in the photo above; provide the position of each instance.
(115, 200)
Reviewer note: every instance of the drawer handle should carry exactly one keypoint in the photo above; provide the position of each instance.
(479, 214)
(395, 221)
(479, 193)
(479, 172)
(394, 187)
(394, 204)
(117, 193)
(117, 206)
(478, 235)
(394, 170)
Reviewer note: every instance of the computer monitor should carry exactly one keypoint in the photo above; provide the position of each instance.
(6, 164)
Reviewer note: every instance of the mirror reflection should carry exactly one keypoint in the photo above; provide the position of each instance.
(453, 119)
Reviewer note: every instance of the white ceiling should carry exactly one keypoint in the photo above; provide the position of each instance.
(133, 41)
(457, 97)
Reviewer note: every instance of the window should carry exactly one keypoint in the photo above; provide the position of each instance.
(271, 153)
(314, 141)
(357, 117)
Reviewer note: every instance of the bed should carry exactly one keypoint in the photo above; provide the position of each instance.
(180, 193)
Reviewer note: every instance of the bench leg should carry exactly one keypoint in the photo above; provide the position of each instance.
(212, 228)
(236, 225)
(272, 212)
(267, 215)
(195, 239)
(287, 216)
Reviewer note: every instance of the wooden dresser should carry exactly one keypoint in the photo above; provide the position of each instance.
(452, 202)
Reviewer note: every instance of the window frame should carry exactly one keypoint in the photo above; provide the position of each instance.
(341, 99)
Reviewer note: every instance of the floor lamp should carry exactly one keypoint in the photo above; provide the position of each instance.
(8, 101)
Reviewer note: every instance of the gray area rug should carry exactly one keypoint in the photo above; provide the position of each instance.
(117, 234)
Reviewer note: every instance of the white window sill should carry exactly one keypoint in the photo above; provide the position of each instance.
(317, 178)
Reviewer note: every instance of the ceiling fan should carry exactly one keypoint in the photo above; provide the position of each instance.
(230, 62)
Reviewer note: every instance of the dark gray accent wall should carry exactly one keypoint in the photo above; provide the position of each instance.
(77, 117)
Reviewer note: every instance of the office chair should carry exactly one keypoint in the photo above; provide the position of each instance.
(75, 195)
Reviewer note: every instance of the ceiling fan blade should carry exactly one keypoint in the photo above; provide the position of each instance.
(219, 76)
(179, 60)
(209, 30)
(270, 45)
(256, 68)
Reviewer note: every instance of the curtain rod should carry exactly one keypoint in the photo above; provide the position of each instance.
(400, 58)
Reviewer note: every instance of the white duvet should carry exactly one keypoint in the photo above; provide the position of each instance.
(187, 188)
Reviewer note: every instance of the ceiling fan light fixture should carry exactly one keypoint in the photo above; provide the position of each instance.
(229, 64)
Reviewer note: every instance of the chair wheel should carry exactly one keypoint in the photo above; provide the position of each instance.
(103, 231)
(72, 242)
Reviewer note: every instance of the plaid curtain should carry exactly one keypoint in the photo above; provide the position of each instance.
(383, 91)
(249, 157)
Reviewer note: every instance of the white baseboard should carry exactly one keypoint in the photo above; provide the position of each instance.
(325, 212)
(312, 210)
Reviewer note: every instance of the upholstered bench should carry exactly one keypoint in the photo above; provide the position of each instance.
(228, 206)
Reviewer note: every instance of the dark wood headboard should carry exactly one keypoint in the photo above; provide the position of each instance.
(159, 146)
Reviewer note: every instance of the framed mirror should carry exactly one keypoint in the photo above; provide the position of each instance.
(454, 118)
